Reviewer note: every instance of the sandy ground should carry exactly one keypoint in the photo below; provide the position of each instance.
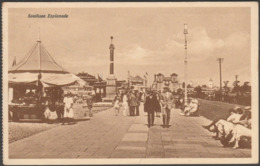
(20, 130)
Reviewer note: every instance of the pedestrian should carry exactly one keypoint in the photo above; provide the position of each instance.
(125, 104)
(158, 104)
(138, 98)
(149, 107)
(90, 102)
(132, 103)
(191, 108)
(116, 104)
(166, 101)
(68, 110)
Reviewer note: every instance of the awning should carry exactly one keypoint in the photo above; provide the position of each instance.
(48, 79)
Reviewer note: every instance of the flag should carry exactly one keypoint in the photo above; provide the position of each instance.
(146, 73)
(14, 62)
(99, 78)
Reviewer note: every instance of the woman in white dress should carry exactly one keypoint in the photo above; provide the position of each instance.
(125, 104)
(68, 111)
(116, 104)
(242, 128)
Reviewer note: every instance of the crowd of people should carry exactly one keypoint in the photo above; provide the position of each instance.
(64, 108)
(130, 100)
(155, 103)
(235, 130)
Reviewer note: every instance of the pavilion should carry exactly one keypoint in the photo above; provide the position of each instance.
(39, 66)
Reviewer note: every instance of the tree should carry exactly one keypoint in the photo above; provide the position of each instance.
(226, 86)
(198, 90)
(236, 88)
(245, 87)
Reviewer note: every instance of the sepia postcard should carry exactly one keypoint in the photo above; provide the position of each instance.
(130, 83)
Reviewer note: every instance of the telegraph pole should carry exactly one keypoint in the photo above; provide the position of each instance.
(220, 60)
(185, 32)
(236, 76)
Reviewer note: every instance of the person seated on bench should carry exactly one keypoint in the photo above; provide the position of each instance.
(217, 125)
(225, 128)
(217, 118)
(242, 128)
(191, 108)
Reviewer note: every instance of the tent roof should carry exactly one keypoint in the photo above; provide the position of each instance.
(174, 74)
(48, 79)
(37, 60)
(137, 78)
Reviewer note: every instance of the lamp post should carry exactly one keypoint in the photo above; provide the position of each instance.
(185, 32)
(220, 60)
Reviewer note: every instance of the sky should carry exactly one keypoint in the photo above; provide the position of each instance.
(146, 40)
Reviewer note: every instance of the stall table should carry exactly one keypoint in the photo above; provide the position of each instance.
(30, 112)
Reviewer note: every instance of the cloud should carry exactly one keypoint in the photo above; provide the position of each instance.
(135, 54)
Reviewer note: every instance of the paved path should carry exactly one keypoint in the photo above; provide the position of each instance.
(110, 136)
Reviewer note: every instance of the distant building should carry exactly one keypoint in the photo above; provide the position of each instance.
(161, 81)
(209, 89)
(98, 84)
(89, 79)
(210, 83)
(137, 82)
(121, 83)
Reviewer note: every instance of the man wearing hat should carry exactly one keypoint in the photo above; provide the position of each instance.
(132, 103)
(150, 107)
(167, 103)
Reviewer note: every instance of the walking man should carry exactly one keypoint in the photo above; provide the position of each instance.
(166, 101)
(150, 107)
(90, 102)
(132, 103)
(138, 99)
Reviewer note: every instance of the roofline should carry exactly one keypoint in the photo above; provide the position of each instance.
(37, 71)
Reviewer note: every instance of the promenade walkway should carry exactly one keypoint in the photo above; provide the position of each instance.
(110, 136)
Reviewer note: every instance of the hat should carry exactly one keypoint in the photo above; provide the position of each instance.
(236, 107)
(195, 101)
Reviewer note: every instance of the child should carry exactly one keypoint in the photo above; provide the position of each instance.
(116, 105)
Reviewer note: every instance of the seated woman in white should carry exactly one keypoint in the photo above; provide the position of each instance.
(242, 128)
(191, 108)
(225, 127)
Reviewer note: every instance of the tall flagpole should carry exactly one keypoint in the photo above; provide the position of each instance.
(39, 50)
(185, 65)
(39, 57)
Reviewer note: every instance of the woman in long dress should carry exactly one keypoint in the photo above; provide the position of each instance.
(125, 104)
(242, 128)
(68, 111)
(116, 104)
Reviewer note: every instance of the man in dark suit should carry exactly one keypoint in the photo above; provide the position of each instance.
(150, 107)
